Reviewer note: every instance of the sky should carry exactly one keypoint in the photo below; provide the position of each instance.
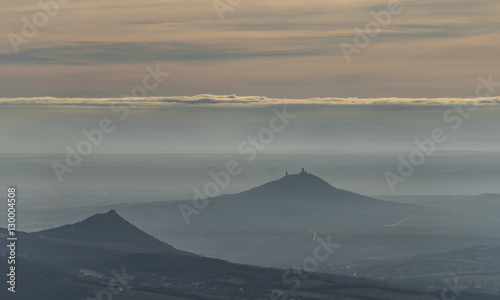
(172, 148)
(200, 77)
(278, 48)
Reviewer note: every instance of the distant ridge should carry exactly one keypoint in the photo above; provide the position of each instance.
(488, 196)
(110, 230)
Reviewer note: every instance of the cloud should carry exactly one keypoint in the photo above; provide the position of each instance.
(88, 53)
(208, 100)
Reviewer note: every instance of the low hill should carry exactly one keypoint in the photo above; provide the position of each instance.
(473, 263)
(110, 230)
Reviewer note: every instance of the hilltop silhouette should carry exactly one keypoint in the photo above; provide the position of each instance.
(110, 230)
(304, 186)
